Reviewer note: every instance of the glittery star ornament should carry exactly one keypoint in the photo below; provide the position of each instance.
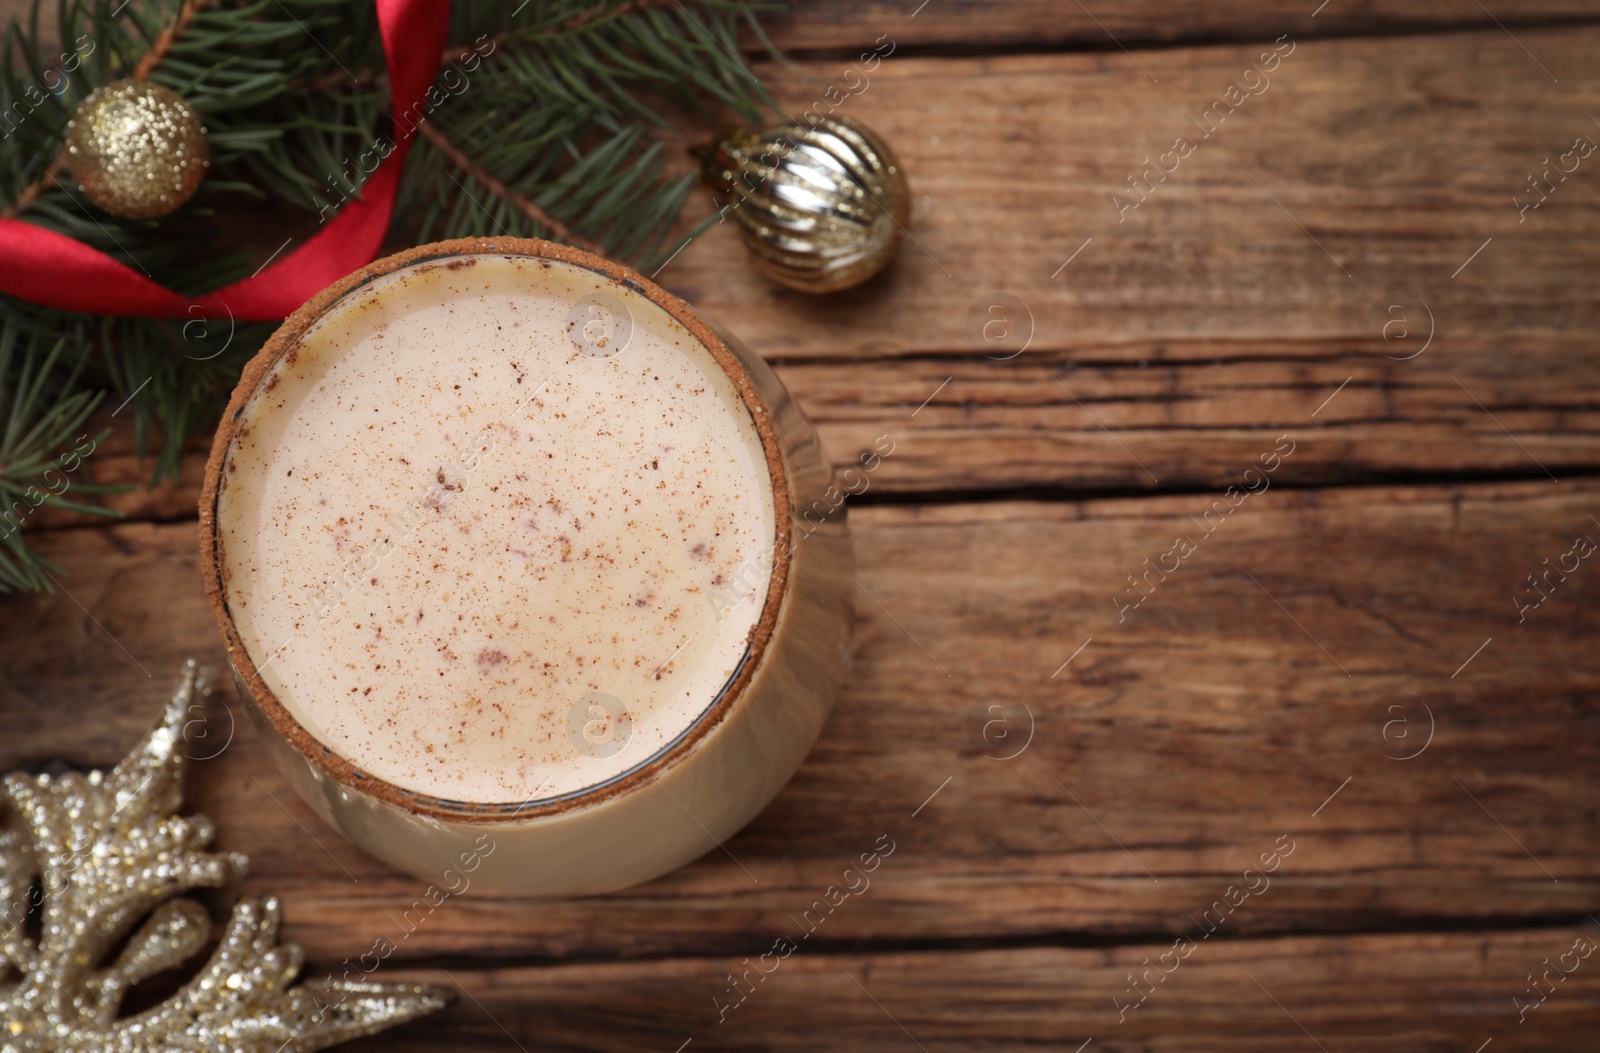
(137, 149)
(106, 850)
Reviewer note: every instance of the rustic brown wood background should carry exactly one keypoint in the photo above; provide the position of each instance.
(1360, 610)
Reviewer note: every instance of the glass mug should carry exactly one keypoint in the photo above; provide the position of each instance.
(693, 767)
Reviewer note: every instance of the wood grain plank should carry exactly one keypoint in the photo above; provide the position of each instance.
(1392, 992)
(1014, 163)
(1512, 407)
(1083, 424)
(1166, 758)
(969, 25)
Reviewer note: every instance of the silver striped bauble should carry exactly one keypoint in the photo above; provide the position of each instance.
(822, 203)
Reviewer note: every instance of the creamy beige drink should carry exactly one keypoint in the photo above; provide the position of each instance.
(496, 530)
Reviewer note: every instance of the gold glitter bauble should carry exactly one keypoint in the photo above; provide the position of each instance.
(822, 203)
(137, 149)
(103, 856)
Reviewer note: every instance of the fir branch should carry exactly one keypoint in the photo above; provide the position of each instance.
(40, 451)
(553, 228)
(179, 372)
(577, 128)
(33, 190)
(589, 17)
(158, 51)
(460, 52)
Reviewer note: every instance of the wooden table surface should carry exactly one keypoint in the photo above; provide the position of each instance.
(1330, 303)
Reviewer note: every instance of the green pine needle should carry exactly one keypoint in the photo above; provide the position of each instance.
(42, 442)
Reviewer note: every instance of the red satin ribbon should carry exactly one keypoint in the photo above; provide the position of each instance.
(54, 270)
